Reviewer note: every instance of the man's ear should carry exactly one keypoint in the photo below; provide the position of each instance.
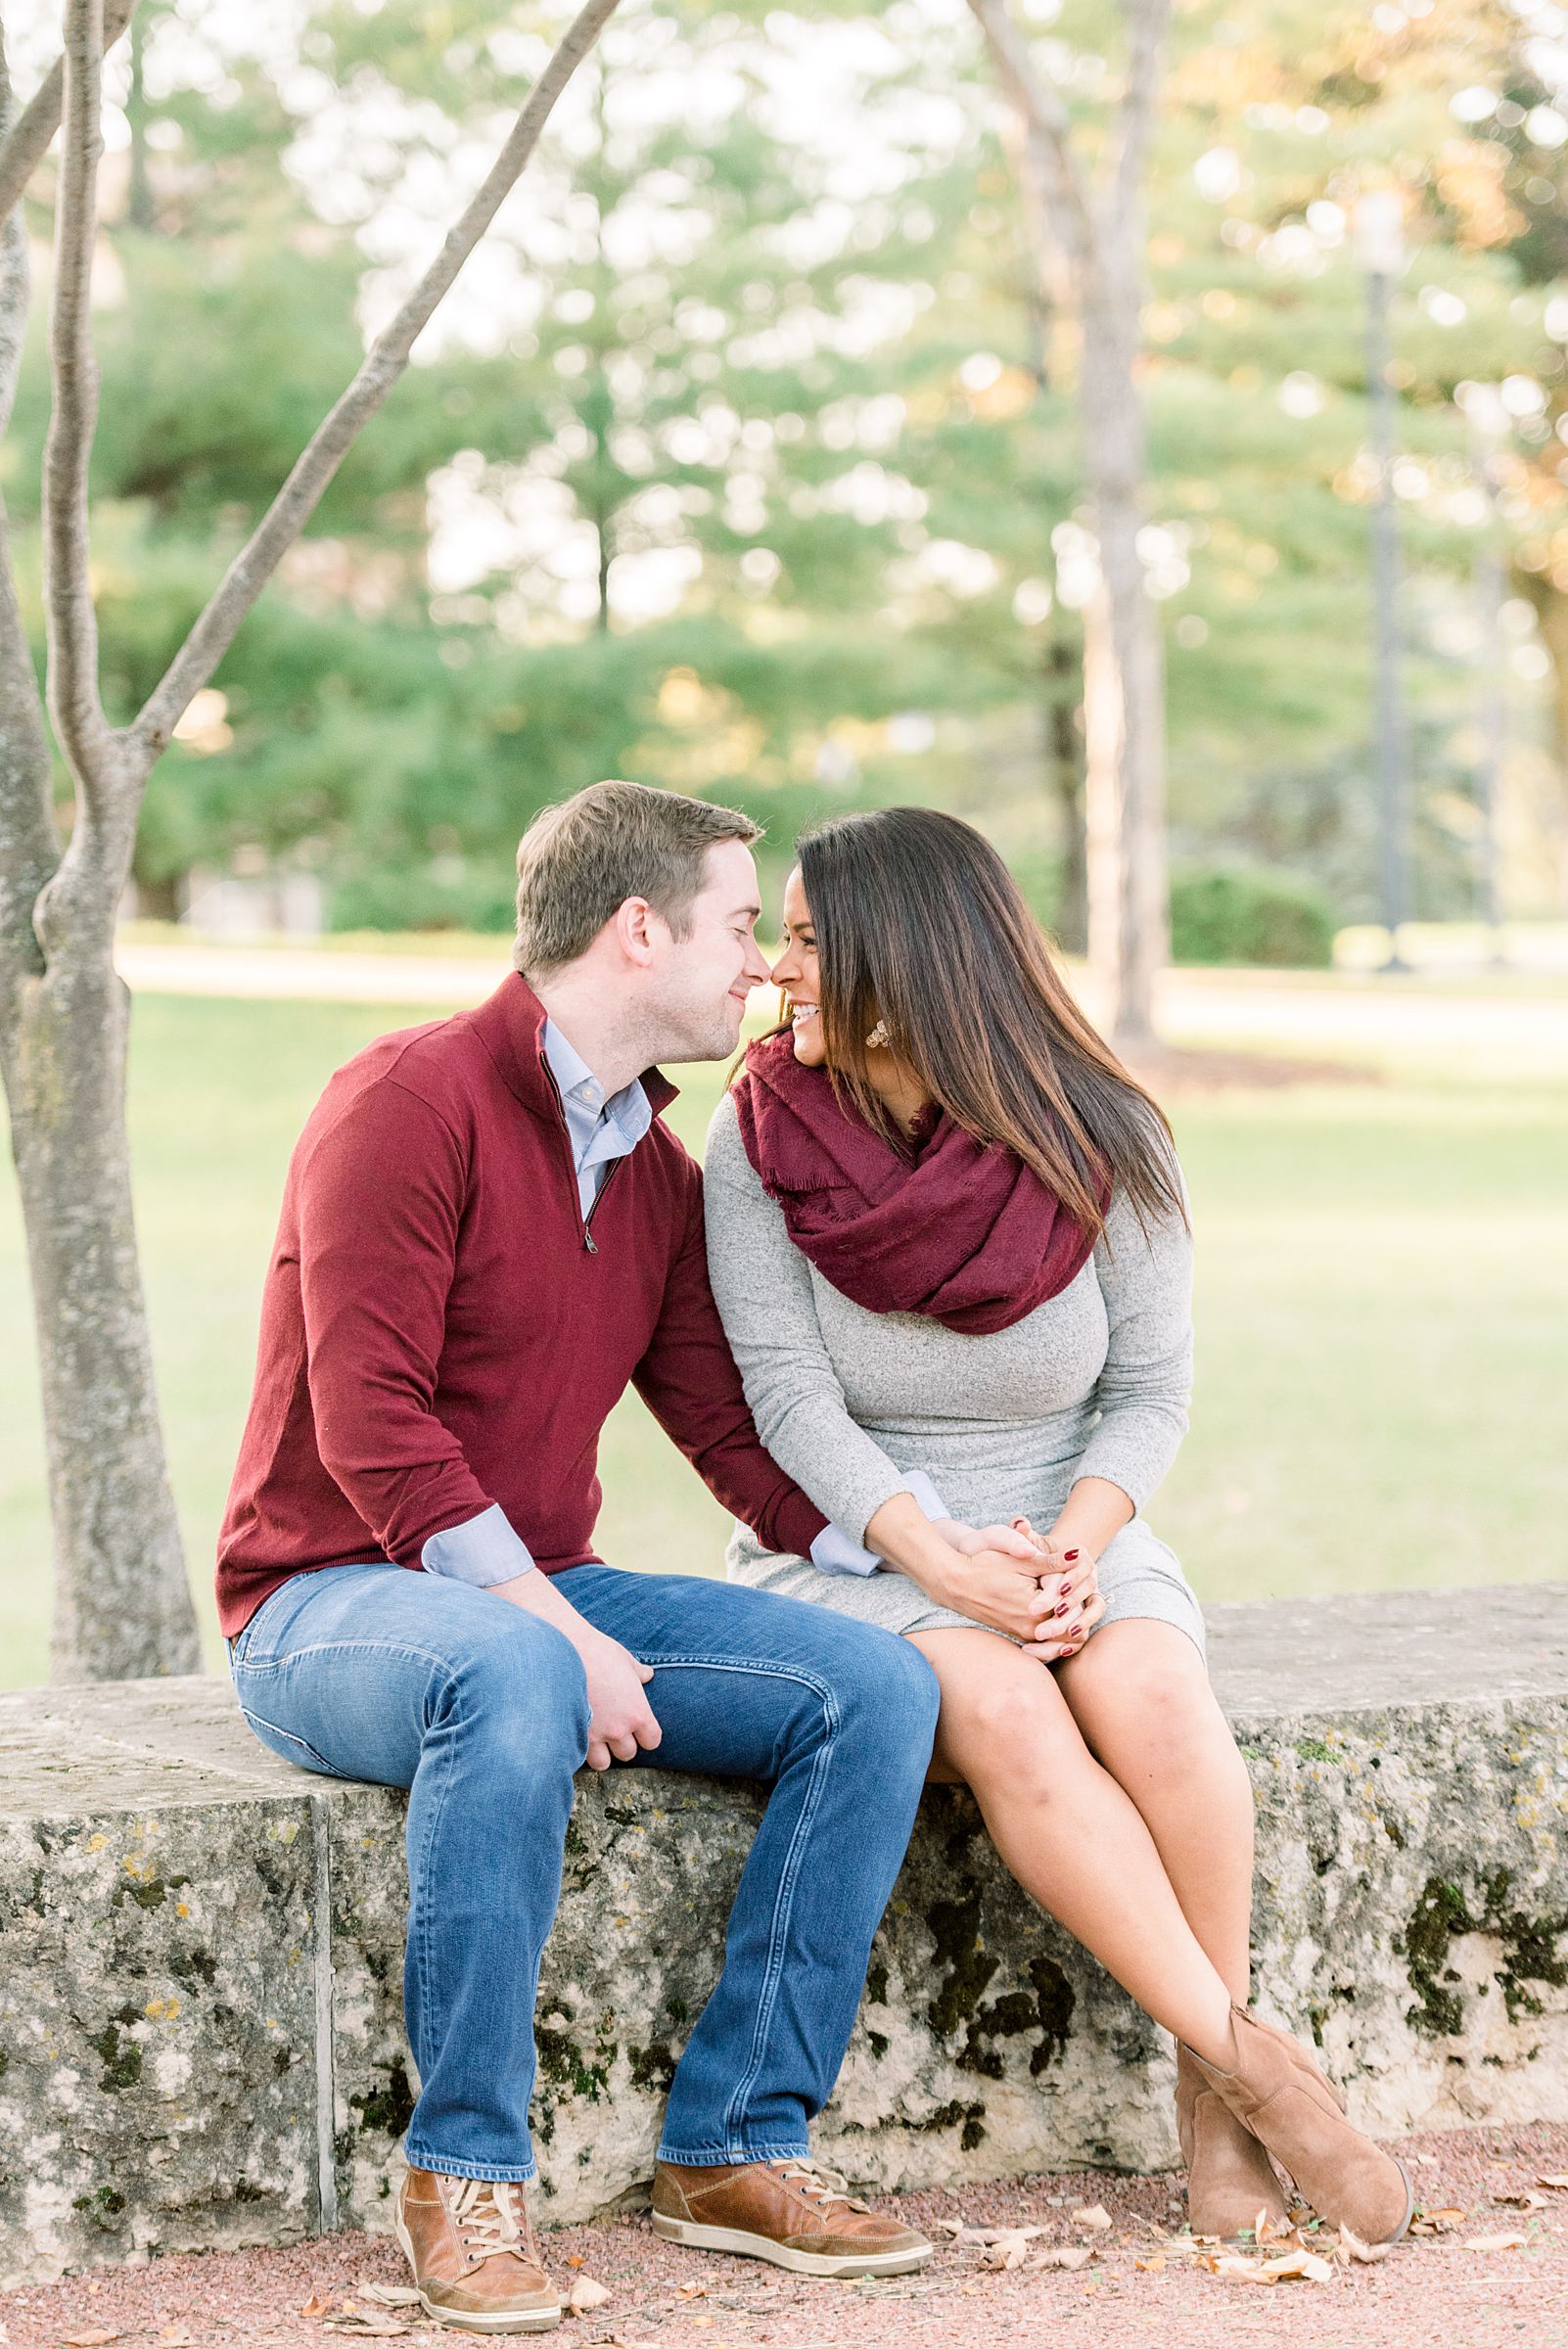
(638, 931)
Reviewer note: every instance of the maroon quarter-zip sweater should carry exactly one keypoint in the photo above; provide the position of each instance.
(440, 1333)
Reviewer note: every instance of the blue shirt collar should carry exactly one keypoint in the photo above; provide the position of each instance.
(610, 1127)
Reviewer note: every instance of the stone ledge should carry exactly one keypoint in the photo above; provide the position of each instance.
(201, 2040)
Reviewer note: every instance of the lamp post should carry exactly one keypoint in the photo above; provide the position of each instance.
(1487, 417)
(1380, 228)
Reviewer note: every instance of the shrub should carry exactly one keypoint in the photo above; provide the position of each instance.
(1249, 914)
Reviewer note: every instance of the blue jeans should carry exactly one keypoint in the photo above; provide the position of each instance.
(482, 1712)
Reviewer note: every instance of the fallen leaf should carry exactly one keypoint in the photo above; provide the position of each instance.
(691, 2292)
(1366, 2254)
(172, 2339)
(1095, 2220)
(1436, 2221)
(315, 2306)
(585, 2296)
(93, 2339)
(1495, 2243)
(1306, 2267)
(575, 2259)
(952, 2226)
(1428, 2161)
(1520, 2201)
(1558, 2178)
(1154, 2265)
(1009, 2250)
(389, 2295)
(1065, 2255)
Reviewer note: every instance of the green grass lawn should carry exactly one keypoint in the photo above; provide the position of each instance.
(1382, 1320)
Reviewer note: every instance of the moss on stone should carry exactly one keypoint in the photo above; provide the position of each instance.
(389, 2110)
(122, 2059)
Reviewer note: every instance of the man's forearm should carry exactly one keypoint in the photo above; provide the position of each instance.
(537, 1593)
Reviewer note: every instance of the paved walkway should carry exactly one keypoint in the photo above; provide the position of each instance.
(1479, 2187)
(1506, 1030)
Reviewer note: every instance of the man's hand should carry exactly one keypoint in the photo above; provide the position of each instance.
(620, 1720)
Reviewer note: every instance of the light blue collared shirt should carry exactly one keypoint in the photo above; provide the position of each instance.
(601, 1128)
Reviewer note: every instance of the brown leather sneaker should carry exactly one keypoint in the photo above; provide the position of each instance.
(472, 2249)
(788, 2212)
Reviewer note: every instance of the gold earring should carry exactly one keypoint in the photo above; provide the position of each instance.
(879, 1040)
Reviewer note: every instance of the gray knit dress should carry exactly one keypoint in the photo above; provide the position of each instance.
(1095, 1382)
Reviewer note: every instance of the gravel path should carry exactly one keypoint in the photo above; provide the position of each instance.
(1138, 2288)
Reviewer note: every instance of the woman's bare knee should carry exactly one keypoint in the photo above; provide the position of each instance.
(1005, 1722)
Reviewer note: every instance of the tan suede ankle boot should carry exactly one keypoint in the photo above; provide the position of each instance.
(1277, 2092)
(1230, 2180)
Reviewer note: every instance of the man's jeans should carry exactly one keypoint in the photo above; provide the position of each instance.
(482, 1712)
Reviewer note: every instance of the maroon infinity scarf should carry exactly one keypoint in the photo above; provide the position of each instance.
(963, 1232)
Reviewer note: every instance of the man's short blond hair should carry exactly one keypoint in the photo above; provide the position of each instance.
(580, 861)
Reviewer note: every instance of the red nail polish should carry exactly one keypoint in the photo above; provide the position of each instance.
(1062, 1608)
(1068, 1554)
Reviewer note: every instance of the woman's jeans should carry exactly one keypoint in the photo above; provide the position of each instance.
(482, 1712)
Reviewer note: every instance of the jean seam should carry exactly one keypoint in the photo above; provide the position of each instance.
(438, 1808)
(696, 2157)
(343, 1647)
(443, 2166)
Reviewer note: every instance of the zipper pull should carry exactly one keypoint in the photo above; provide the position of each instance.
(589, 1242)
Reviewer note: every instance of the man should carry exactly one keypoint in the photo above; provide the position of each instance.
(486, 1233)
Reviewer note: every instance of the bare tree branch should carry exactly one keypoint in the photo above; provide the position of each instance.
(1048, 125)
(25, 145)
(1147, 24)
(29, 851)
(301, 493)
(73, 622)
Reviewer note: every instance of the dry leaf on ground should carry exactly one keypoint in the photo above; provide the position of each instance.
(1495, 2242)
(1095, 2220)
(1365, 2254)
(1009, 2250)
(369, 2324)
(96, 2338)
(1154, 2265)
(388, 2295)
(1436, 2221)
(315, 2306)
(1520, 2201)
(585, 2293)
(1557, 2178)
(1071, 2256)
(1291, 2267)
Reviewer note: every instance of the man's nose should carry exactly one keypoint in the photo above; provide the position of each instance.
(756, 970)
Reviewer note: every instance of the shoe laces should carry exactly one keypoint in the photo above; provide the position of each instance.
(820, 2186)
(491, 2217)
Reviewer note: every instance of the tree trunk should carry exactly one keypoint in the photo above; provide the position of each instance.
(122, 1605)
(1064, 759)
(1123, 682)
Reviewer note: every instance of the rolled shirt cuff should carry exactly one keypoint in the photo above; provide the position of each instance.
(834, 1552)
(483, 1552)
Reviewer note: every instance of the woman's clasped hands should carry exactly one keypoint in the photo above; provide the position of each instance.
(1026, 1585)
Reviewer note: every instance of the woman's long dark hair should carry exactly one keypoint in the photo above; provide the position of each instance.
(920, 924)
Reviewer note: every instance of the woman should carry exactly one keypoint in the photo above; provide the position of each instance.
(947, 1237)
